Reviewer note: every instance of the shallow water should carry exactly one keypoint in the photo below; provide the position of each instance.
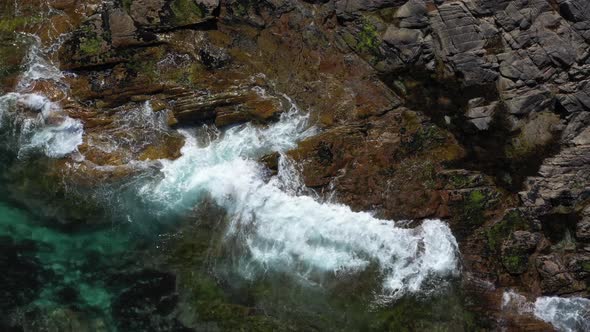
(102, 275)
(210, 241)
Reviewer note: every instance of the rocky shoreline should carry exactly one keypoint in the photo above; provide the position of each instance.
(475, 112)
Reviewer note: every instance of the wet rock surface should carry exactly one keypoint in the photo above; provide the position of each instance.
(472, 111)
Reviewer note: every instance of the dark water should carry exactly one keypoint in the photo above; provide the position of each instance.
(71, 261)
(181, 277)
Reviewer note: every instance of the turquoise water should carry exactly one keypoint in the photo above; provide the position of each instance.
(125, 277)
(95, 274)
(208, 242)
(62, 270)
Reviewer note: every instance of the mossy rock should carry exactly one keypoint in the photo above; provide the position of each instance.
(515, 263)
(242, 7)
(471, 211)
(368, 38)
(186, 12)
(514, 220)
(12, 24)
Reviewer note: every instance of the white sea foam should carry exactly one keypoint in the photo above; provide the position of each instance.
(34, 123)
(37, 67)
(285, 230)
(565, 314)
(281, 225)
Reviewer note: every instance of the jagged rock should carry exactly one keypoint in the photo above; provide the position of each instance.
(564, 180)
(486, 7)
(575, 98)
(456, 29)
(524, 100)
(556, 278)
(583, 229)
(481, 115)
(225, 108)
(407, 41)
(108, 37)
(122, 28)
(516, 250)
(413, 14)
(349, 8)
(460, 42)
(165, 14)
(517, 66)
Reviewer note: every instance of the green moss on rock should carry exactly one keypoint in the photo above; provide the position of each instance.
(241, 7)
(91, 46)
(12, 24)
(186, 12)
(368, 38)
(514, 220)
(515, 263)
(472, 209)
(127, 4)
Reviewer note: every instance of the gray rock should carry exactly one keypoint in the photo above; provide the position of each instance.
(412, 15)
(409, 42)
(563, 183)
(524, 100)
(481, 115)
(349, 8)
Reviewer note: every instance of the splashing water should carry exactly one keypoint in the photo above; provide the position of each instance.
(281, 226)
(287, 232)
(37, 124)
(37, 66)
(565, 314)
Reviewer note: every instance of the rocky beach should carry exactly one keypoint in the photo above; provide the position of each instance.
(295, 165)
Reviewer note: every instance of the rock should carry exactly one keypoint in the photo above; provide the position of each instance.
(122, 28)
(349, 8)
(214, 57)
(563, 181)
(460, 42)
(524, 100)
(481, 116)
(456, 29)
(583, 226)
(555, 277)
(517, 249)
(107, 37)
(413, 14)
(380, 177)
(407, 41)
(225, 108)
(538, 132)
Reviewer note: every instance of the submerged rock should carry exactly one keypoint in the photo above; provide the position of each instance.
(425, 109)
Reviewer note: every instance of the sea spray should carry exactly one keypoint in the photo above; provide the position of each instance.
(31, 123)
(289, 232)
(279, 223)
(565, 314)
